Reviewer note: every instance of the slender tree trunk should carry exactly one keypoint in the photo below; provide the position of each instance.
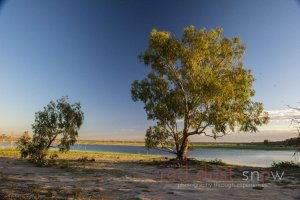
(182, 153)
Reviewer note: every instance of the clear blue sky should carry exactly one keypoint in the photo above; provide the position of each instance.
(88, 51)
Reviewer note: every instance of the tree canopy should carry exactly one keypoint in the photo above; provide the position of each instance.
(59, 121)
(196, 85)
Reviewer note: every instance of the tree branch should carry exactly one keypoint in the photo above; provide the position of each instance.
(51, 140)
(214, 136)
(166, 149)
(197, 130)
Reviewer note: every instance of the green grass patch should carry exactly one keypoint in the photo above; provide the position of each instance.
(216, 162)
(13, 153)
(74, 155)
(91, 153)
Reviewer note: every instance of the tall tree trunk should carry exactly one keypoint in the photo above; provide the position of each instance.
(182, 154)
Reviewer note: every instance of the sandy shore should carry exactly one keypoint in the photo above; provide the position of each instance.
(139, 177)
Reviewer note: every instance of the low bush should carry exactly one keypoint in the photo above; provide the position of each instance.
(217, 162)
(285, 164)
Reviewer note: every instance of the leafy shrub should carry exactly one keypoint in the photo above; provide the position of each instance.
(217, 162)
(83, 159)
(53, 159)
(57, 120)
(285, 164)
(24, 144)
(32, 149)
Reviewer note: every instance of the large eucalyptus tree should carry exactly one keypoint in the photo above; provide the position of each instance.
(196, 85)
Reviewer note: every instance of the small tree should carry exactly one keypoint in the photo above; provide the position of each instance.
(197, 85)
(60, 121)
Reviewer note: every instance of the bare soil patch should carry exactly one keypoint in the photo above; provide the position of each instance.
(138, 177)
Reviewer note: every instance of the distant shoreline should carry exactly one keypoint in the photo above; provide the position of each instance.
(273, 146)
(250, 146)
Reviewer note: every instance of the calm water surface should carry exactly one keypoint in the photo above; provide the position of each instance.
(260, 158)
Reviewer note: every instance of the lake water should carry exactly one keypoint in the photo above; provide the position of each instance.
(260, 158)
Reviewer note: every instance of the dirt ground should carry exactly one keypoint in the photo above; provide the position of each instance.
(117, 177)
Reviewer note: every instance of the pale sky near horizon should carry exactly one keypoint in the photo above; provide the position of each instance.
(88, 51)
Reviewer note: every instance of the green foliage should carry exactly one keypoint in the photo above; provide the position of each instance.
(57, 121)
(30, 148)
(292, 141)
(53, 159)
(199, 81)
(157, 136)
(285, 164)
(217, 162)
(83, 159)
(24, 144)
